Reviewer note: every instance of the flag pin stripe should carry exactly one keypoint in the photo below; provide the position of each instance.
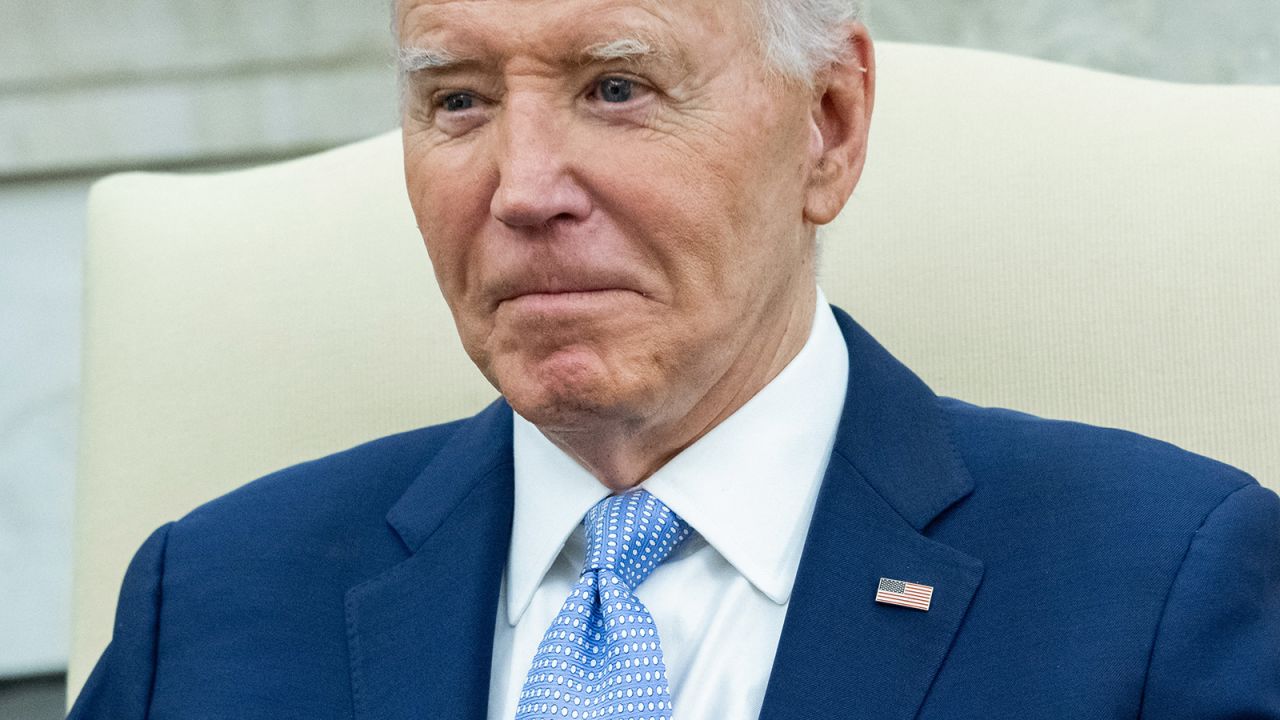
(904, 594)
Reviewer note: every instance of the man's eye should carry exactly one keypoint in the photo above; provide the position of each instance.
(456, 102)
(615, 90)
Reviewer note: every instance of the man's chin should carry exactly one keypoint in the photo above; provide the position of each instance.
(561, 409)
(565, 395)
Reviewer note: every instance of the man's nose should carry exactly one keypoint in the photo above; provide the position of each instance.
(536, 180)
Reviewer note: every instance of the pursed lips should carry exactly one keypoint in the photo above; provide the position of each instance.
(565, 293)
(558, 299)
(562, 289)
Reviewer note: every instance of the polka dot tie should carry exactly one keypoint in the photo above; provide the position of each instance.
(601, 659)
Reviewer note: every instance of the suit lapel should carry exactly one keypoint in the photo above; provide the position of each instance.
(892, 472)
(420, 635)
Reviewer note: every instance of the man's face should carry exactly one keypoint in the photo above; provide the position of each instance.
(612, 193)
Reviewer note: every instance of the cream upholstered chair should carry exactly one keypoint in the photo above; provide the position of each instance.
(1030, 235)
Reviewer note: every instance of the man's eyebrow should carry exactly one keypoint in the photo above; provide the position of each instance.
(415, 59)
(625, 48)
(418, 59)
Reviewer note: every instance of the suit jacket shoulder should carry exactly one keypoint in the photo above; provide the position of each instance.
(317, 505)
(1067, 464)
(259, 573)
(1098, 569)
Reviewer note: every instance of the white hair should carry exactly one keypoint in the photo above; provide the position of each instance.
(798, 38)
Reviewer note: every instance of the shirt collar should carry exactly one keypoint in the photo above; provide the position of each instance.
(748, 486)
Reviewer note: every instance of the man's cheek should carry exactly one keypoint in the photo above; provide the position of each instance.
(450, 268)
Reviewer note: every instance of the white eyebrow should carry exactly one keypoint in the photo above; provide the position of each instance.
(620, 49)
(417, 59)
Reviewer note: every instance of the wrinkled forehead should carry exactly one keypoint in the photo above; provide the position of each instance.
(564, 30)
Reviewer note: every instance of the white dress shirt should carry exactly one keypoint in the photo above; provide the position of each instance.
(747, 488)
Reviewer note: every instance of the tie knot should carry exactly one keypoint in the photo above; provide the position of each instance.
(631, 534)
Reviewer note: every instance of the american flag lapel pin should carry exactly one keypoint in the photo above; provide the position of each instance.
(906, 594)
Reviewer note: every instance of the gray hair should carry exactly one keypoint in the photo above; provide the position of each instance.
(799, 38)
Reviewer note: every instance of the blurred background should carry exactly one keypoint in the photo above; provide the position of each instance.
(91, 88)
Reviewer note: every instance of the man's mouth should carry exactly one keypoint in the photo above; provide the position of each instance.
(567, 301)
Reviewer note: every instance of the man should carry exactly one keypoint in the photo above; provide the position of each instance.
(716, 497)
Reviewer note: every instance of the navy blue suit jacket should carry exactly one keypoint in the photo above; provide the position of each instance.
(1078, 573)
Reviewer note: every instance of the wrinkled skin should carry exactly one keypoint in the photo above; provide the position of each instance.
(627, 245)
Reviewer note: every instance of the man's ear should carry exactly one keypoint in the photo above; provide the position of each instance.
(840, 118)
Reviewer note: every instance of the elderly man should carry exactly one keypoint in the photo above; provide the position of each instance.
(704, 493)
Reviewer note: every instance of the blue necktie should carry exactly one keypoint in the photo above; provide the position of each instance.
(601, 659)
